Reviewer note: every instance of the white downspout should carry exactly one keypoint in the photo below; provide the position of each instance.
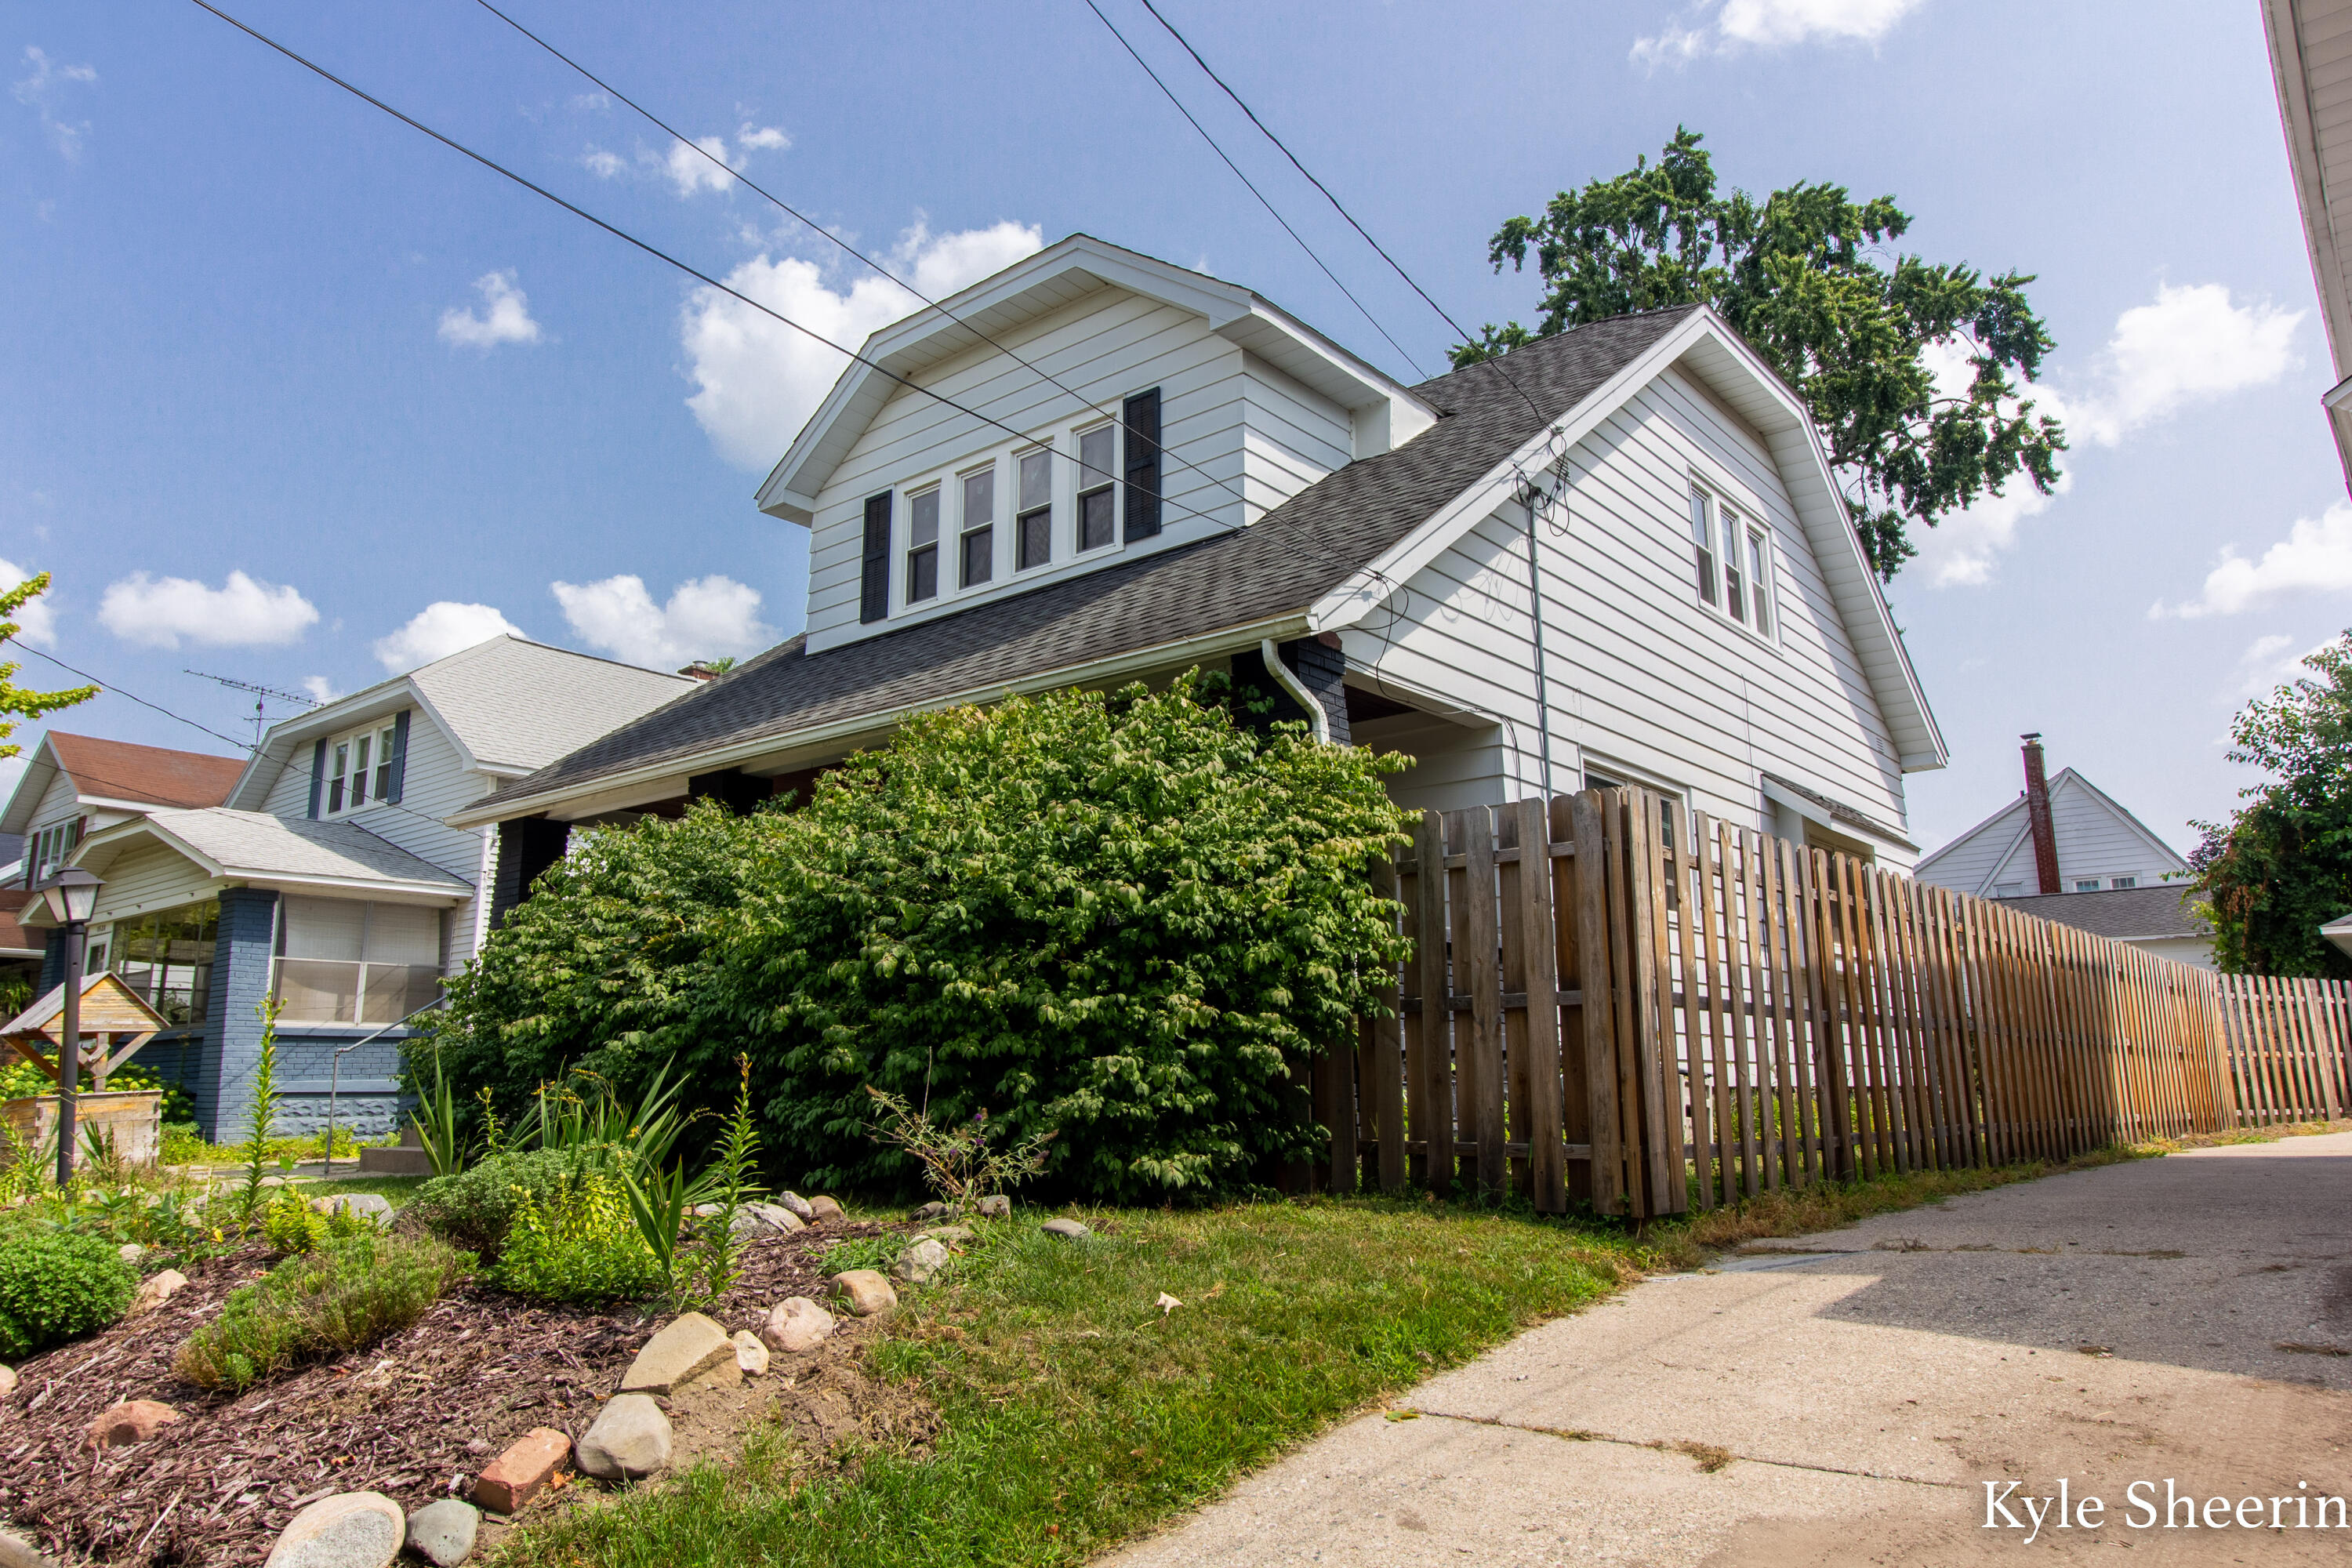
(1319, 722)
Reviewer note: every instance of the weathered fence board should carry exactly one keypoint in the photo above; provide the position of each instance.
(1611, 1000)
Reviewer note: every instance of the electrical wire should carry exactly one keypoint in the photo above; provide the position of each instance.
(1336, 203)
(1247, 181)
(660, 254)
(816, 228)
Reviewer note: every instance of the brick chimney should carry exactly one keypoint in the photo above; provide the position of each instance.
(2037, 812)
(700, 671)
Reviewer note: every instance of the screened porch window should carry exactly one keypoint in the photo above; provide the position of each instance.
(165, 958)
(344, 960)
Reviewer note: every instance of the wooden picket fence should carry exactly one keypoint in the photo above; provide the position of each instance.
(1615, 1001)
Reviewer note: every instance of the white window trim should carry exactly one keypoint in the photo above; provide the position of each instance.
(1748, 518)
(378, 732)
(1055, 508)
(902, 592)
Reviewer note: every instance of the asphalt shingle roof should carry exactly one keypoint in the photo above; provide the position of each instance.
(2123, 912)
(1282, 563)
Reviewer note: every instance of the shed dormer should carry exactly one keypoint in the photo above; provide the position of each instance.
(1106, 404)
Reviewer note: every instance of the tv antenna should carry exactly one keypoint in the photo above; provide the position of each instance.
(261, 696)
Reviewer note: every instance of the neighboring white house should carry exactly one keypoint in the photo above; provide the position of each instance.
(327, 877)
(2311, 67)
(1205, 481)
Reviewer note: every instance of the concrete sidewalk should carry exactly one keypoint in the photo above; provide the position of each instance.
(1844, 1397)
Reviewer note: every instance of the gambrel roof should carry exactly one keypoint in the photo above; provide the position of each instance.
(1323, 559)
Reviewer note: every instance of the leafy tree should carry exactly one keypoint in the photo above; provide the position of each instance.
(16, 700)
(2282, 867)
(1805, 276)
(1126, 918)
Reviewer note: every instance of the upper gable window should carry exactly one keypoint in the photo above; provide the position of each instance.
(1732, 562)
(979, 540)
(1034, 524)
(360, 767)
(46, 849)
(1098, 493)
(923, 546)
(1702, 518)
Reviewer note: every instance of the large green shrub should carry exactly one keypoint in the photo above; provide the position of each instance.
(55, 1285)
(579, 1244)
(476, 1207)
(1122, 916)
(345, 1295)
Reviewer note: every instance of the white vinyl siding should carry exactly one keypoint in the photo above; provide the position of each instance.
(149, 877)
(1639, 670)
(2097, 843)
(1233, 427)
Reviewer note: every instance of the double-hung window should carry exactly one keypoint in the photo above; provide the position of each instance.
(1732, 562)
(1759, 581)
(1098, 493)
(1702, 523)
(1033, 523)
(979, 540)
(923, 546)
(48, 848)
(359, 768)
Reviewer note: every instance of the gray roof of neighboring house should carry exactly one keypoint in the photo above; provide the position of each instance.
(256, 843)
(1281, 563)
(2126, 914)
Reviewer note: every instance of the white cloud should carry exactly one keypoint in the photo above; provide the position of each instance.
(40, 92)
(759, 380)
(438, 630)
(37, 621)
(1771, 24)
(505, 317)
(690, 170)
(602, 165)
(241, 613)
(321, 690)
(2262, 669)
(1961, 551)
(2315, 557)
(707, 617)
(2193, 345)
(708, 165)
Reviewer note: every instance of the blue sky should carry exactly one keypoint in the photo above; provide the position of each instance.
(283, 375)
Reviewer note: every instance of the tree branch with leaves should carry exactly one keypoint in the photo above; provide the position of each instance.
(1808, 278)
(20, 702)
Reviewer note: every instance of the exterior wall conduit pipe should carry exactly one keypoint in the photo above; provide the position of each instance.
(1319, 722)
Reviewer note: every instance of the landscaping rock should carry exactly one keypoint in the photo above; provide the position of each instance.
(866, 1292)
(442, 1533)
(378, 1209)
(515, 1476)
(920, 1262)
(796, 1326)
(777, 1217)
(687, 1349)
(823, 1208)
(15, 1551)
(751, 1356)
(131, 1421)
(931, 1212)
(130, 1252)
(951, 1234)
(273, 1181)
(351, 1529)
(7, 1381)
(629, 1439)
(996, 1206)
(154, 1291)
(795, 1205)
(1068, 1228)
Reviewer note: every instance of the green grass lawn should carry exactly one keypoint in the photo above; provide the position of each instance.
(1077, 1414)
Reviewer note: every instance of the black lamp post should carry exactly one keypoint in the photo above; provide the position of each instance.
(72, 897)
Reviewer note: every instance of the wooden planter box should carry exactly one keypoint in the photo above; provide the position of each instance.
(134, 1116)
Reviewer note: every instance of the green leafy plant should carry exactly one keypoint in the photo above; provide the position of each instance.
(22, 702)
(262, 1115)
(1123, 916)
(476, 1207)
(579, 1244)
(1805, 277)
(344, 1296)
(437, 1123)
(291, 1225)
(730, 1183)
(59, 1284)
(956, 1161)
(659, 1202)
(865, 1252)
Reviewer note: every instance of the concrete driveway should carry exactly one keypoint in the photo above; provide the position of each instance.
(1845, 1397)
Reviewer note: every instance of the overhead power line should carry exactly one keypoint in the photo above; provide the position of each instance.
(1362, 307)
(819, 229)
(662, 255)
(1336, 206)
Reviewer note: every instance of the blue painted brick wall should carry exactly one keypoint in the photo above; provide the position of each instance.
(241, 954)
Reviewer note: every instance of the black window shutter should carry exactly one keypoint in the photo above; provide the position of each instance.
(874, 576)
(1141, 417)
(399, 758)
(318, 774)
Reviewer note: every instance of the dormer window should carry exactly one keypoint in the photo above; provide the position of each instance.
(1034, 525)
(360, 768)
(1097, 492)
(923, 546)
(979, 544)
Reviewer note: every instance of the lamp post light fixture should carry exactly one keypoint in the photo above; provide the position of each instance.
(72, 897)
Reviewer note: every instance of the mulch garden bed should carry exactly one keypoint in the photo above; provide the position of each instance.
(412, 1417)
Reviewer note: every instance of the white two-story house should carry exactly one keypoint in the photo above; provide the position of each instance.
(329, 879)
(1617, 555)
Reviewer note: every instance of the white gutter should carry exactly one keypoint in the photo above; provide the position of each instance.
(1318, 720)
